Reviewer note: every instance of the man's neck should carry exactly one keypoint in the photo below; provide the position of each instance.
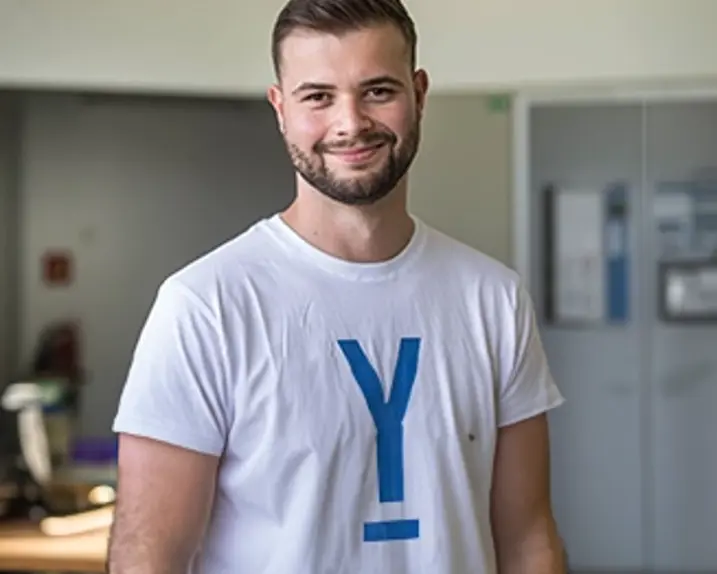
(361, 234)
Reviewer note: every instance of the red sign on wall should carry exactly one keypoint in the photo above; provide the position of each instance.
(57, 268)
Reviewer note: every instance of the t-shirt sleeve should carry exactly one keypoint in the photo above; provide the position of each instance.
(176, 388)
(527, 388)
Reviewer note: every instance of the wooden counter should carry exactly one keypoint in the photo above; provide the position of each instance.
(25, 548)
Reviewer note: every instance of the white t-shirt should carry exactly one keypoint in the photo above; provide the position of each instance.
(355, 406)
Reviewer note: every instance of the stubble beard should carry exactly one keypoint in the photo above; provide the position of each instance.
(365, 189)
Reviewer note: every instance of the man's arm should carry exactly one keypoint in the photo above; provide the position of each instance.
(524, 530)
(164, 498)
(172, 420)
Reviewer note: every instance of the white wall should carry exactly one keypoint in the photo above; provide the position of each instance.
(461, 182)
(222, 46)
(9, 192)
(136, 190)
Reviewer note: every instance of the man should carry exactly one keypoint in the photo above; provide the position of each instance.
(340, 389)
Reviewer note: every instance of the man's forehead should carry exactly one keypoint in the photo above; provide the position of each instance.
(358, 54)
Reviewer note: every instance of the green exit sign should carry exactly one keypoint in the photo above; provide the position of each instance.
(499, 102)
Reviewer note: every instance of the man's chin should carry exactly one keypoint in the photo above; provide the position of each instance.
(359, 195)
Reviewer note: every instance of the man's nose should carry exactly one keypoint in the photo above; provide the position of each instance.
(352, 118)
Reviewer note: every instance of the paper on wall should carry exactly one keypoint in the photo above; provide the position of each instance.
(579, 256)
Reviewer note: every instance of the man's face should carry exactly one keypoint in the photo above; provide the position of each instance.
(350, 108)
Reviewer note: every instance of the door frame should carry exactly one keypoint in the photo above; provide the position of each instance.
(523, 104)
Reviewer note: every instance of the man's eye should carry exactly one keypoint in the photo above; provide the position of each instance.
(380, 93)
(317, 97)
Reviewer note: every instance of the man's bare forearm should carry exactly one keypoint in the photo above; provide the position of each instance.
(133, 552)
(543, 553)
(547, 562)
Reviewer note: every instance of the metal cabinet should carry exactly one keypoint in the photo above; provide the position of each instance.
(634, 460)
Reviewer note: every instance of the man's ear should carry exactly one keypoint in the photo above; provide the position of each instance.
(420, 83)
(276, 99)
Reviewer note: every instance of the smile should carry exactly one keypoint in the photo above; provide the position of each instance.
(359, 155)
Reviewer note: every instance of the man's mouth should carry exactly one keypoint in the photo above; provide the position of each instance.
(358, 154)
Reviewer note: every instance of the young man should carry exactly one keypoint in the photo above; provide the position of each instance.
(340, 389)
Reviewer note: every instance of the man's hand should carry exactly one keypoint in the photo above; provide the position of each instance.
(524, 530)
(164, 499)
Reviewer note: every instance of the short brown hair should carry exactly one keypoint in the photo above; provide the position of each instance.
(338, 17)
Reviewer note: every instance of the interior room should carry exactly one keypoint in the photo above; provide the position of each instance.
(133, 140)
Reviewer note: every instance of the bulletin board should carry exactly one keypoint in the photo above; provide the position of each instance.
(586, 248)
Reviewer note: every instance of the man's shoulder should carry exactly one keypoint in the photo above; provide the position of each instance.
(231, 263)
(469, 262)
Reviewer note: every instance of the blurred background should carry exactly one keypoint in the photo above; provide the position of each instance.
(575, 141)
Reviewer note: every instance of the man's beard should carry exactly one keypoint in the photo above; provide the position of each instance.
(365, 189)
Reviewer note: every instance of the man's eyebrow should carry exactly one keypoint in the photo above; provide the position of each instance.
(312, 86)
(382, 81)
(370, 83)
